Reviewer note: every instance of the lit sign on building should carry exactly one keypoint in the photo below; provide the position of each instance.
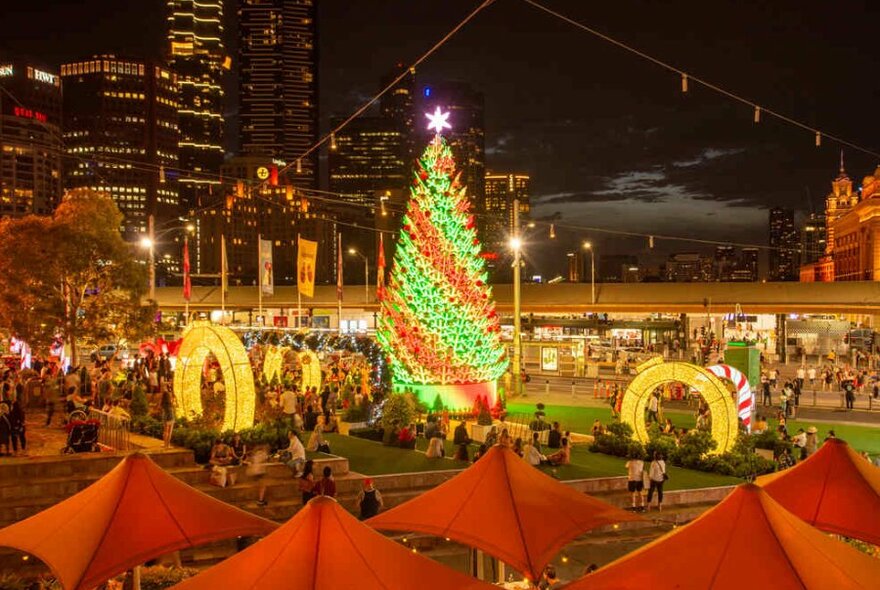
(6, 70)
(41, 76)
(29, 114)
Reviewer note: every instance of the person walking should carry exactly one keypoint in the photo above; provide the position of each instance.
(16, 419)
(369, 500)
(654, 407)
(801, 376)
(257, 469)
(765, 389)
(5, 429)
(657, 476)
(167, 406)
(811, 375)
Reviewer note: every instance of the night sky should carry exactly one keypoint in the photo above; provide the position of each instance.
(609, 139)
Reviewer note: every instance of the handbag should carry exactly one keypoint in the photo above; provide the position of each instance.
(218, 476)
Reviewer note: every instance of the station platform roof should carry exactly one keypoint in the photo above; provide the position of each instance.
(753, 298)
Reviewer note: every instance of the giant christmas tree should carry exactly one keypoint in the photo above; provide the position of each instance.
(438, 322)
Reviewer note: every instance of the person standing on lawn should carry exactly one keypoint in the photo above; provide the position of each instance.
(657, 476)
(635, 468)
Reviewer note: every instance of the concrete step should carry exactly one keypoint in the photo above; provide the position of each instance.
(15, 470)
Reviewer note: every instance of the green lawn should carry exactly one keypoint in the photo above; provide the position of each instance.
(580, 419)
(372, 458)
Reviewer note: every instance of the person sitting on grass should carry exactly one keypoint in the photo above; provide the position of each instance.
(518, 446)
(597, 427)
(532, 451)
(668, 427)
(435, 448)
(562, 456)
(460, 437)
(407, 437)
(316, 439)
(505, 440)
(554, 437)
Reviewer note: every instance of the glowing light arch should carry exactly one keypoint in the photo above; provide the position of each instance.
(311, 369)
(200, 339)
(654, 373)
(273, 361)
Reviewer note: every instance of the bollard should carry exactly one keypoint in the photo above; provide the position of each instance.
(572, 387)
(546, 386)
(814, 397)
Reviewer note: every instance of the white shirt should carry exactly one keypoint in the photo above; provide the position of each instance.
(801, 373)
(800, 440)
(653, 404)
(532, 456)
(296, 449)
(812, 373)
(288, 402)
(635, 468)
(657, 469)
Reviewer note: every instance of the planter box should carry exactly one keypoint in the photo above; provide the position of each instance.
(344, 426)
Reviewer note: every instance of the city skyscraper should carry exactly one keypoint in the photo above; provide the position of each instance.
(196, 54)
(495, 225)
(118, 111)
(30, 139)
(398, 106)
(813, 238)
(784, 245)
(278, 86)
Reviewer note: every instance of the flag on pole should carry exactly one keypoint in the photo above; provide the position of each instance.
(380, 271)
(306, 255)
(187, 280)
(267, 276)
(339, 267)
(224, 267)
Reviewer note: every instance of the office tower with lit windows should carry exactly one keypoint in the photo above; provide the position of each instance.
(813, 238)
(278, 87)
(30, 138)
(196, 55)
(398, 106)
(495, 223)
(784, 246)
(367, 165)
(121, 138)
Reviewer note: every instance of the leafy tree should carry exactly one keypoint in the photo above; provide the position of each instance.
(73, 275)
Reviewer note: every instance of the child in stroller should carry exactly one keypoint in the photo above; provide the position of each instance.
(82, 436)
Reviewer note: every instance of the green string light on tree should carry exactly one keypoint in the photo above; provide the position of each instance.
(438, 322)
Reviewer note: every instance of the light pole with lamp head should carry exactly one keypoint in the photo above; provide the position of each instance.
(589, 246)
(148, 242)
(516, 246)
(355, 252)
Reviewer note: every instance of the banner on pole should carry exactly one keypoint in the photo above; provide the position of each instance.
(306, 257)
(187, 280)
(267, 279)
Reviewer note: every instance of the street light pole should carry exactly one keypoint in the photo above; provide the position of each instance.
(516, 245)
(589, 246)
(151, 233)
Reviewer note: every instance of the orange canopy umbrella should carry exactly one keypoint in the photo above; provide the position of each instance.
(133, 514)
(507, 508)
(323, 547)
(835, 490)
(747, 541)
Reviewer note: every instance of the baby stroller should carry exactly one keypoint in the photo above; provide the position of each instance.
(82, 437)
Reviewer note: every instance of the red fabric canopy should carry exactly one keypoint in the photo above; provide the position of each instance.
(133, 514)
(835, 490)
(323, 547)
(507, 508)
(747, 541)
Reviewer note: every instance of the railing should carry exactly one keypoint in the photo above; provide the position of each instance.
(113, 431)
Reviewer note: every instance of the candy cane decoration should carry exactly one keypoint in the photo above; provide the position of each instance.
(744, 396)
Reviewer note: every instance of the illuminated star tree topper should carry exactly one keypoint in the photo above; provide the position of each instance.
(438, 120)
